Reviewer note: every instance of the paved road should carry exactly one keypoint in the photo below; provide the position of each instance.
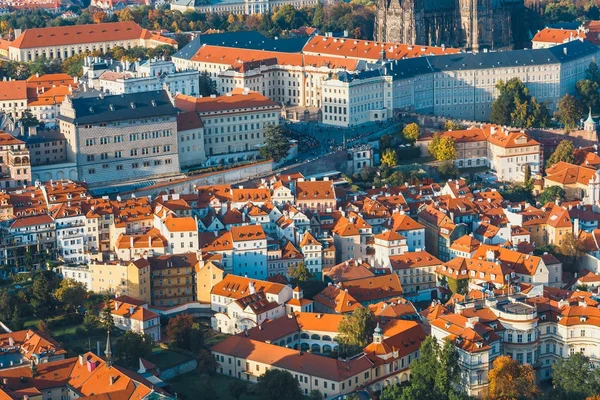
(332, 138)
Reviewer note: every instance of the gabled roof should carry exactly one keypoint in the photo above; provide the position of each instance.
(292, 360)
(415, 259)
(235, 287)
(348, 270)
(247, 233)
(187, 121)
(551, 35)
(465, 243)
(565, 174)
(314, 190)
(78, 34)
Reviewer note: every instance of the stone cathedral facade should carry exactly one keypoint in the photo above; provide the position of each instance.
(468, 24)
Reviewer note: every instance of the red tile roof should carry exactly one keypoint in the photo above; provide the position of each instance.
(292, 360)
(237, 100)
(551, 35)
(188, 120)
(369, 50)
(13, 90)
(78, 34)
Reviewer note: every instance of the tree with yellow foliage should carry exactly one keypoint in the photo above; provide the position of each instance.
(389, 158)
(509, 380)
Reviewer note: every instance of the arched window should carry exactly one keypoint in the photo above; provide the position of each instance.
(315, 348)
(326, 338)
(314, 336)
(304, 336)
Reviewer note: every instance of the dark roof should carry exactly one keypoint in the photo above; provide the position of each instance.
(173, 261)
(90, 110)
(44, 136)
(407, 68)
(242, 40)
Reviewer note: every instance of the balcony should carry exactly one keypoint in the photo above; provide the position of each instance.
(71, 235)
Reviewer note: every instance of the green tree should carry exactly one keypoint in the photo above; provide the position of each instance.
(90, 321)
(298, 273)
(411, 132)
(562, 11)
(356, 329)
(435, 375)
(574, 379)
(550, 194)
(318, 15)
(71, 293)
(28, 120)
(237, 388)
(5, 306)
(276, 384)
(185, 333)
(515, 106)
(74, 65)
(587, 90)
(41, 300)
(16, 322)
(448, 170)
(592, 72)
(569, 112)
(131, 346)
(315, 395)
(389, 157)
(106, 319)
(391, 392)
(206, 85)
(564, 152)
(527, 174)
(206, 363)
(276, 144)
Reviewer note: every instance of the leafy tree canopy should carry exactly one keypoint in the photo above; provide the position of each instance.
(569, 112)
(563, 152)
(508, 379)
(276, 384)
(411, 132)
(276, 144)
(516, 107)
(552, 193)
(356, 328)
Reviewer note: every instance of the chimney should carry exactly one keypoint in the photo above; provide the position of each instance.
(131, 310)
(80, 359)
(112, 380)
(117, 305)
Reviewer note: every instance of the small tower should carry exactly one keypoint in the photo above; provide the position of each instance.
(589, 125)
(377, 335)
(108, 351)
(297, 293)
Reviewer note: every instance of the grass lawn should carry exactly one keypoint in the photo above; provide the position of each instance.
(164, 358)
(213, 337)
(73, 342)
(186, 386)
